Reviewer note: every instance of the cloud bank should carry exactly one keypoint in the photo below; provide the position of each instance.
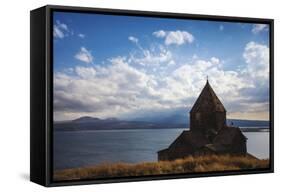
(152, 79)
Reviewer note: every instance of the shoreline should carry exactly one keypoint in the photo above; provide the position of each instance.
(187, 165)
(243, 129)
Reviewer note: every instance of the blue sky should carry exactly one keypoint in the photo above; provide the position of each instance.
(91, 50)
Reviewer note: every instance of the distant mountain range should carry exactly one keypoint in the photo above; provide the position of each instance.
(93, 123)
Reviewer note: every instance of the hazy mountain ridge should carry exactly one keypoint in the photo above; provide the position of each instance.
(93, 123)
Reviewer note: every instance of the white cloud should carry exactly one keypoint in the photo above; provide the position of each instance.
(257, 58)
(178, 37)
(215, 60)
(58, 33)
(159, 34)
(153, 58)
(85, 72)
(60, 30)
(84, 55)
(175, 37)
(221, 28)
(193, 77)
(133, 39)
(257, 28)
(82, 36)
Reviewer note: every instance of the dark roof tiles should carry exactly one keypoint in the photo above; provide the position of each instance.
(188, 138)
(208, 101)
(227, 135)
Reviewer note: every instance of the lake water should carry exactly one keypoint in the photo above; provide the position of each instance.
(83, 148)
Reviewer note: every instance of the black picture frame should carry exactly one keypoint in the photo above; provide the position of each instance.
(41, 93)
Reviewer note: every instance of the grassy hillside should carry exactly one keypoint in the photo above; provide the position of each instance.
(187, 165)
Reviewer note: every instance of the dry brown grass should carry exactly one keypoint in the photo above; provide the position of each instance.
(187, 165)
